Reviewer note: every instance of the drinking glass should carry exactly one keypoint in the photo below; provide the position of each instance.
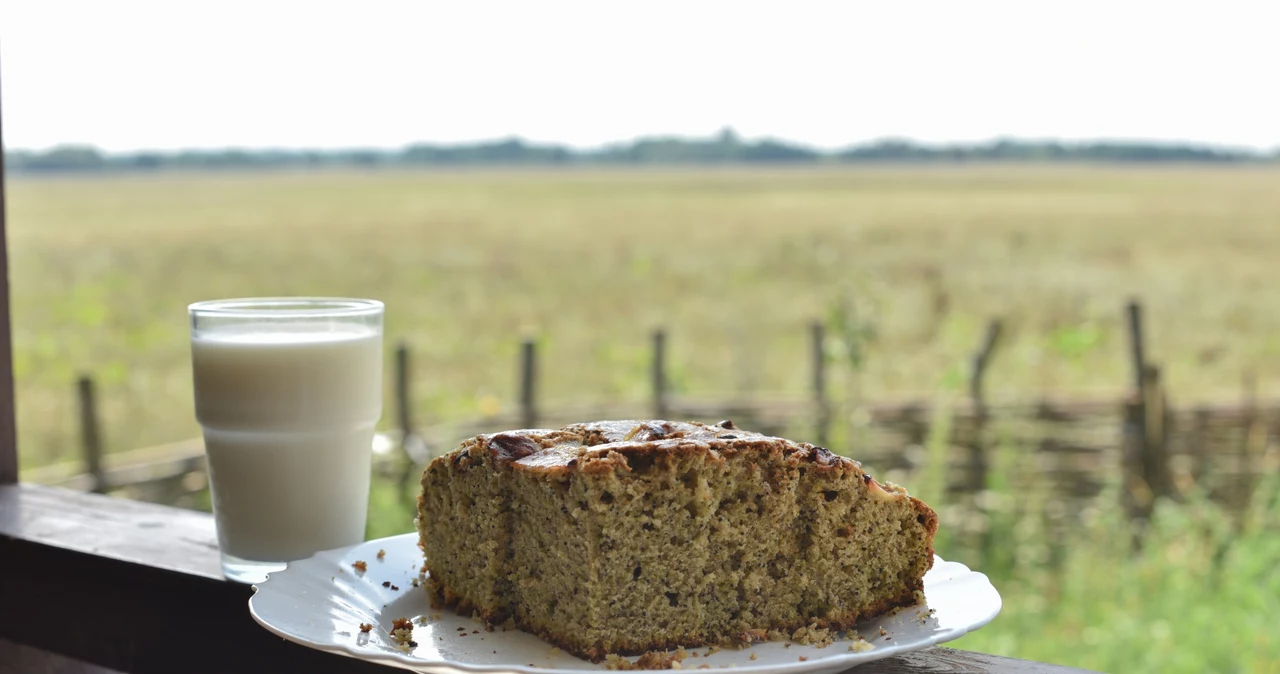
(287, 393)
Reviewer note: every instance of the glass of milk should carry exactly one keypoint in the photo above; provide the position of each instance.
(287, 392)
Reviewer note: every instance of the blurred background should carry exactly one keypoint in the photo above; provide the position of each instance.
(1018, 257)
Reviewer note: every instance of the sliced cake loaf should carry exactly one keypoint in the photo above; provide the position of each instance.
(626, 536)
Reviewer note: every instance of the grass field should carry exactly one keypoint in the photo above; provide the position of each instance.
(735, 263)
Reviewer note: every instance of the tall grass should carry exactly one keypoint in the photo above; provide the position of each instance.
(1201, 594)
(735, 263)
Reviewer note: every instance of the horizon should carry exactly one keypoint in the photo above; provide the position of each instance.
(144, 75)
(1079, 143)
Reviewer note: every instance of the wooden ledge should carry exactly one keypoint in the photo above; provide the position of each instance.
(137, 587)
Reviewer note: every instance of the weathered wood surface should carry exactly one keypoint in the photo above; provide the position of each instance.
(943, 660)
(20, 659)
(8, 429)
(133, 587)
(136, 587)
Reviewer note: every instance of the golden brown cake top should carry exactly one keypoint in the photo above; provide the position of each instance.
(609, 445)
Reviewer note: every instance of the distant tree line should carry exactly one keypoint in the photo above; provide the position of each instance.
(725, 148)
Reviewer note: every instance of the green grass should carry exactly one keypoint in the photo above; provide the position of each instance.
(1174, 607)
(735, 263)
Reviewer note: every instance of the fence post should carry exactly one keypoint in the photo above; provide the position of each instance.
(1155, 458)
(528, 384)
(1137, 348)
(90, 437)
(1200, 436)
(978, 464)
(822, 407)
(402, 391)
(1136, 494)
(659, 374)
(412, 446)
(982, 359)
(1255, 438)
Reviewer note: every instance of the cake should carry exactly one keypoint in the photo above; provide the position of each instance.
(621, 537)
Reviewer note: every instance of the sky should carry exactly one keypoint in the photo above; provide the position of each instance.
(128, 75)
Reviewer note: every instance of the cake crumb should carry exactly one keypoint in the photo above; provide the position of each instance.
(861, 645)
(386, 583)
(382, 554)
(802, 659)
(712, 651)
(752, 636)
(704, 666)
(650, 660)
(617, 663)
(422, 620)
(753, 656)
(883, 633)
(402, 634)
(813, 635)
(365, 627)
(360, 566)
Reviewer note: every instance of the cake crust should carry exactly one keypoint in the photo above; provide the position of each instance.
(494, 511)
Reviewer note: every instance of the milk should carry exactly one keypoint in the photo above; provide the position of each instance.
(288, 421)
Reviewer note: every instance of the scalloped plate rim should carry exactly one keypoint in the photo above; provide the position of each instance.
(836, 662)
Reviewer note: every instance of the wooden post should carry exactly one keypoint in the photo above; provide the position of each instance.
(1146, 454)
(1255, 441)
(412, 446)
(403, 405)
(1136, 494)
(1137, 348)
(659, 374)
(8, 436)
(528, 384)
(982, 359)
(90, 437)
(1200, 450)
(1254, 430)
(978, 463)
(822, 407)
(1155, 457)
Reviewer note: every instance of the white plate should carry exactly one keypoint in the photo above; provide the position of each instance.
(320, 602)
